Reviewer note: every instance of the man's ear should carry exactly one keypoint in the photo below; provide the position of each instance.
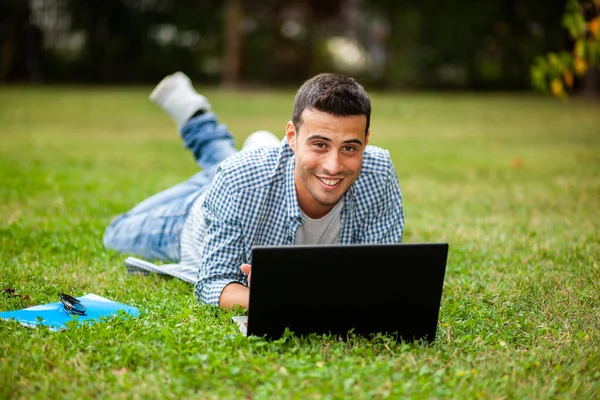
(367, 137)
(290, 134)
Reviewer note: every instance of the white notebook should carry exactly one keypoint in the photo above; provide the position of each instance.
(180, 271)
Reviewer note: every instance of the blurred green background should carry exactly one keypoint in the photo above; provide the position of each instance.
(387, 44)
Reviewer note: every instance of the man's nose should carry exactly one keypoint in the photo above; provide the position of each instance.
(332, 164)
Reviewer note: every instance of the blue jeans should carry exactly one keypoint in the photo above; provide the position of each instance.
(152, 229)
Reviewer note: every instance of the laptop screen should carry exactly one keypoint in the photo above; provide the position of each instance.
(392, 289)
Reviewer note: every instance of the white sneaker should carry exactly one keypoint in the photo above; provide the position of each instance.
(259, 139)
(176, 95)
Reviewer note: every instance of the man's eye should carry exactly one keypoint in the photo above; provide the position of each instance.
(319, 145)
(349, 149)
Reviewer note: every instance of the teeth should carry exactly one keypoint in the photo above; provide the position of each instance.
(330, 182)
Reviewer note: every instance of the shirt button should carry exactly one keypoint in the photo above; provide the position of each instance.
(289, 238)
(299, 219)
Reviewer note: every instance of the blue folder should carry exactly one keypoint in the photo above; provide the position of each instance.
(55, 316)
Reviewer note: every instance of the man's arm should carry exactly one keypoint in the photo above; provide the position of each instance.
(385, 223)
(223, 250)
(234, 295)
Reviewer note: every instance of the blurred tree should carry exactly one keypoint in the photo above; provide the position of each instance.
(282, 38)
(21, 42)
(463, 44)
(112, 39)
(556, 72)
(234, 18)
(143, 40)
(466, 43)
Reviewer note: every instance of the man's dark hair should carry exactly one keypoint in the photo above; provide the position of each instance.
(334, 94)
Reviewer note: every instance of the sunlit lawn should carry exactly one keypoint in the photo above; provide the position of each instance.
(511, 182)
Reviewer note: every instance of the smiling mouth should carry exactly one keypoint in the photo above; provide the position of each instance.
(330, 182)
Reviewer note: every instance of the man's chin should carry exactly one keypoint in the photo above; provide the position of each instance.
(329, 199)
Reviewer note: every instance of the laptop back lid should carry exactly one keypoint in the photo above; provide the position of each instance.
(366, 289)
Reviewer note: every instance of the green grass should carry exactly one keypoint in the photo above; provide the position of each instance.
(511, 182)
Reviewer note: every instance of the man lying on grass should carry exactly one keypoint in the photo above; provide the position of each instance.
(321, 184)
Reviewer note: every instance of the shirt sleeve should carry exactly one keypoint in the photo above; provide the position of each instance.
(385, 221)
(223, 246)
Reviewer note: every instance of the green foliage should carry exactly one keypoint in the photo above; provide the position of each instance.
(573, 19)
(506, 181)
(554, 73)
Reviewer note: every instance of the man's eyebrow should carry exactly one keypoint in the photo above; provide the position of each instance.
(326, 139)
(353, 141)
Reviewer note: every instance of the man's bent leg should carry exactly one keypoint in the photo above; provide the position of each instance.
(209, 141)
(152, 229)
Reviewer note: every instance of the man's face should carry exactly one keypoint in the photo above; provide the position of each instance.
(329, 152)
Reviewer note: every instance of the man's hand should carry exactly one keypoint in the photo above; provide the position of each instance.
(247, 269)
(235, 294)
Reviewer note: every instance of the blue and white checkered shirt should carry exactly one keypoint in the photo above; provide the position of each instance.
(253, 202)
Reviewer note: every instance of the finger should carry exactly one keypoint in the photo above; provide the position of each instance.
(246, 268)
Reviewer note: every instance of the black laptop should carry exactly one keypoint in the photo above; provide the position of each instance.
(393, 289)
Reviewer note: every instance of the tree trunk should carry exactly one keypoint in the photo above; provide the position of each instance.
(591, 83)
(234, 14)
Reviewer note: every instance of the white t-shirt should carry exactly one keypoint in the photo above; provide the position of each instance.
(325, 230)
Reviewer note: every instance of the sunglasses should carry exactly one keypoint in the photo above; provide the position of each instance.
(72, 305)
